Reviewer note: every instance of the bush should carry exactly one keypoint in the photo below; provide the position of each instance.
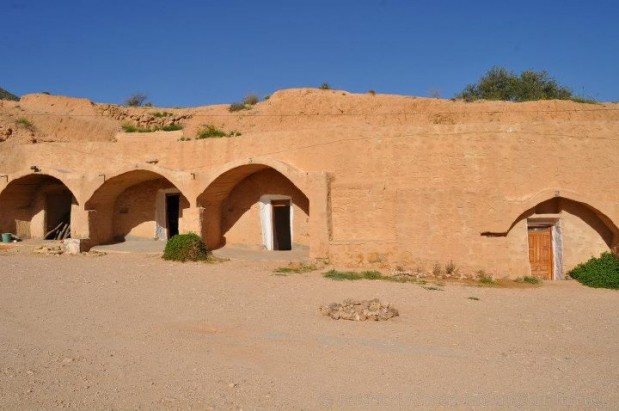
(237, 107)
(501, 84)
(185, 247)
(136, 100)
(172, 127)
(598, 272)
(23, 121)
(209, 131)
(325, 86)
(353, 275)
(160, 114)
(251, 100)
(529, 279)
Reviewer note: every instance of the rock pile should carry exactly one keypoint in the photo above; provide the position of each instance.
(363, 310)
(49, 250)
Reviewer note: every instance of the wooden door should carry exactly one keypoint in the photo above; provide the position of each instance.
(540, 252)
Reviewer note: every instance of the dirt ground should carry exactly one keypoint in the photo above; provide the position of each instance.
(133, 331)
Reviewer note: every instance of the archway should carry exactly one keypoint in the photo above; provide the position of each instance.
(138, 204)
(255, 204)
(37, 206)
(559, 233)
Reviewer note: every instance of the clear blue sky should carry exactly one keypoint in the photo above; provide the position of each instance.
(187, 53)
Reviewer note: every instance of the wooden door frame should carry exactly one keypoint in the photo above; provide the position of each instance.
(552, 222)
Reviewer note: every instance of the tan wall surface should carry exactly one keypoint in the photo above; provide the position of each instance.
(241, 219)
(134, 210)
(411, 181)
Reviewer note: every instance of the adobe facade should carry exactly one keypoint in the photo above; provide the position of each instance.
(379, 181)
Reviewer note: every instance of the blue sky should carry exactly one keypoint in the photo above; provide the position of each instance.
(187, 53)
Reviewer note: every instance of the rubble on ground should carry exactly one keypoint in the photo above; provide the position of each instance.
(360, 310)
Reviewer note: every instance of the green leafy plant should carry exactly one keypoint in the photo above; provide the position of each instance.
(295, 268)
(27, 124)
(185, 247)
(598, 272)
(528, 279)
(132, 128)
(172, 127)
(325, 86)
(485, 279)
(501, 84)
(237, 107)
(160, 114)
(353, 275)
(210, 131)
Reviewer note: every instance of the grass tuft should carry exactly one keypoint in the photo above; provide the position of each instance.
(529, 279)
(24, 122)
(353, 275)
(295, 268)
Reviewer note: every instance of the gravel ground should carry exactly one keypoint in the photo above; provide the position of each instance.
(133, 331)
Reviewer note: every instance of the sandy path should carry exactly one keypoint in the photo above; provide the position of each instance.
(130, 331)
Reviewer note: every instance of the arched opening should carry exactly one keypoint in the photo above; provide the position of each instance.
(559, 233)
(255, 205)
(138, 204)
(37, 206)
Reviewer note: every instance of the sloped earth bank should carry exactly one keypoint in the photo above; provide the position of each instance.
(130, 331)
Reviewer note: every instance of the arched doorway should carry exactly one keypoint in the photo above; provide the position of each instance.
(255, 205)
(559, 233)
(37, 206)
(138, 204)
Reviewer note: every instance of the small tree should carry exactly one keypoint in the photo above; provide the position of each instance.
(136, 100)
(501, 84)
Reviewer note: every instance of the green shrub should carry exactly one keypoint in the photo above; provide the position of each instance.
(136, 100)
(353, 275)
(237, 107)
(297, 268)
(23, 121)
(529, 279)
(160, 114)
(132, 128)
(501, 84)
(210, 131)
(486, 280)
(185, 247)
(598, 272)
(172, 127)
(325, 86)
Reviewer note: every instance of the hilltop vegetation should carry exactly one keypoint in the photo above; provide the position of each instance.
(501, 84)
(5, 95)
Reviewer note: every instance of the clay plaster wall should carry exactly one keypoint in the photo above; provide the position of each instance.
(412, 189)
(135, 209)
(240, 211)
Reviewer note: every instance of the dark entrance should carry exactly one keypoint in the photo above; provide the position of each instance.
(58, 214)
(282, 238)
(172, 206)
